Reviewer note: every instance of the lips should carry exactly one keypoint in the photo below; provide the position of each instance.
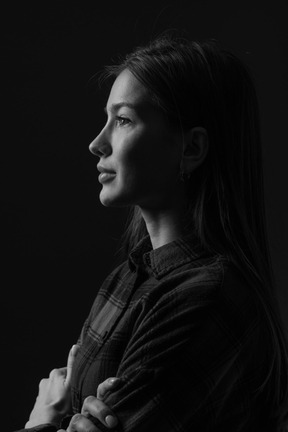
(106, 174)
(102, 169)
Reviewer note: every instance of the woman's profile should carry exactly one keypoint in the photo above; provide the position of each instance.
(187, 327)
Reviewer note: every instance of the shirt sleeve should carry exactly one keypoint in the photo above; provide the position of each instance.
(40, 428)
(184, 366)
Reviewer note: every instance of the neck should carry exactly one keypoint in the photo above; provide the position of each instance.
(164, 225)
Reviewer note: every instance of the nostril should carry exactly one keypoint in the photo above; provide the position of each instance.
(99, 151)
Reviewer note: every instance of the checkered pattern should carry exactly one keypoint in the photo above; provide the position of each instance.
(185, 333)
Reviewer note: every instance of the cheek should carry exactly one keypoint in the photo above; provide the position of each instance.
(131, 159)
(131, 175)
(149, 158)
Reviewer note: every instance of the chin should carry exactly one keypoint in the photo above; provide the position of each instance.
(106, 202)
(112, 201)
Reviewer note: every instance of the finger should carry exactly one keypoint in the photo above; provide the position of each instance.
(56, 373)
(80, 423)
(53, 372)
(43, 383)
(107, 385)
(98, 409)
(71, 358)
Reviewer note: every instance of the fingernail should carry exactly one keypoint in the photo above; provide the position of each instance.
(111, 421)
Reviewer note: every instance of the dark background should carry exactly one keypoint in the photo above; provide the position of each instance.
(58, 243)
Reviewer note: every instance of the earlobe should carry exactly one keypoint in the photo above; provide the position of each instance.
(196, 145)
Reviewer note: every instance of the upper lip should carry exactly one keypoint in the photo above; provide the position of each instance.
(104, 170)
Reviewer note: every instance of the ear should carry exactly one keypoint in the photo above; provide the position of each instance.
(196, 144)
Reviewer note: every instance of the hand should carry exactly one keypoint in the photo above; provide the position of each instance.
(95, 407)
(54, 400)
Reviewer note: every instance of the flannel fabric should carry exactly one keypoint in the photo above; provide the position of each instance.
(185, 332)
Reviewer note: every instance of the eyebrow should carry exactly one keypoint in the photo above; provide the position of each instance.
(117, 106)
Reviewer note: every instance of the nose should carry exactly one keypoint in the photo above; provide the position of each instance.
(100, 146)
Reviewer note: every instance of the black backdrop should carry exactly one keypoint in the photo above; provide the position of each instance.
(58, 243)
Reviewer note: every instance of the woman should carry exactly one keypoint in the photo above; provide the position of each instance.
(189, 322)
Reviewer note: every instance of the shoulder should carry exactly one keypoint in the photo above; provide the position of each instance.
(214, 291)
(199, 281)
(217, 279)
(221, 310)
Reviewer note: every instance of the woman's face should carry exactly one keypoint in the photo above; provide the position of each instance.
(139, 154)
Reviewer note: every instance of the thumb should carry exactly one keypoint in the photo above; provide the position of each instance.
(71, 358)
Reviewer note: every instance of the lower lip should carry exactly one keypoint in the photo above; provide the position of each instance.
(106, 177)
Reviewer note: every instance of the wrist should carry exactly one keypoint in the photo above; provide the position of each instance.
(35, 423)
(49, 417)
(48, 427)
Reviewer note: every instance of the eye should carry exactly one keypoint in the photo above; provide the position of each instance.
(122, 121)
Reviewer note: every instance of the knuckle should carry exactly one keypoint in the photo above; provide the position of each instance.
(81, 423)
(76, 418)
(100, 389)
(53, 372)
(42, 382)
(106, 386)
(89, 399)
(92, 406)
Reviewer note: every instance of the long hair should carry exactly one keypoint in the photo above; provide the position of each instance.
(200, 84)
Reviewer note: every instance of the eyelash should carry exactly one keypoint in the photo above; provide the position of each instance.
(122, 121)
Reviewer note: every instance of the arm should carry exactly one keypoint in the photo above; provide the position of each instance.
(186, 364)
(182, 358)
(153, 348)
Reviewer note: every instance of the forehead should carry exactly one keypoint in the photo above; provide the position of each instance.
(127, 89)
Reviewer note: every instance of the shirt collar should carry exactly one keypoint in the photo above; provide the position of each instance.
(165, 258)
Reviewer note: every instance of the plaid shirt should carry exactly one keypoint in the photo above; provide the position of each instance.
(184, 332)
